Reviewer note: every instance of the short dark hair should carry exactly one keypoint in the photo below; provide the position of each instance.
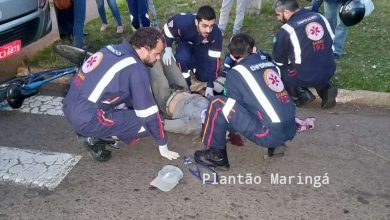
(281, 5)
(146, 37)
(205, 12)
(241, 45)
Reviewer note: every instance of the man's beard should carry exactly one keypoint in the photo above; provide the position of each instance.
(149, 64)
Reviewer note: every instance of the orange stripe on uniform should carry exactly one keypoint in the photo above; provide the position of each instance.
(208, 118)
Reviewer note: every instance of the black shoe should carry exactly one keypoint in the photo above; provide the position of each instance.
(97, 150)
(303, 96)
(336, 56)
(277, 152)
(329, 97)
(213, 158)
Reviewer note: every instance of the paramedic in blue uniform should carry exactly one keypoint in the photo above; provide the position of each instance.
(198, 45)
(256, 105)
(229, 62)
(117, 75)
(303, 50)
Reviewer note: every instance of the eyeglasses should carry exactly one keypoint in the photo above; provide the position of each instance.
(200, 171)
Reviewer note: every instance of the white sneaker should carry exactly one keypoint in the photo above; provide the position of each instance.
(119, 29)
(103, 27)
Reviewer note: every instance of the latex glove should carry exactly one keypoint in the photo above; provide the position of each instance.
(168, 56)
(209, 92)
(165, 152)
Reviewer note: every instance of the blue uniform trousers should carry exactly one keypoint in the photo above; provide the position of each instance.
(291, 81)
(239, 119)
(122, 123)
(190, 57)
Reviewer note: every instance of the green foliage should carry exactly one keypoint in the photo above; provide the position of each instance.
(366, 64)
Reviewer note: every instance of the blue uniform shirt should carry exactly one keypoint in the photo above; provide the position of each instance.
(257, 86)
(303, 46)
(113, 76)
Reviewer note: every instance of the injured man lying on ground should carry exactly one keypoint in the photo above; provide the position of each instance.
(180, 108)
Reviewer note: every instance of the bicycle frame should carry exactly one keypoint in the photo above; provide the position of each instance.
(37, 80)
(29, 85)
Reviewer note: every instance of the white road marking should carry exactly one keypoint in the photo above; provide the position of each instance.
(34, 168)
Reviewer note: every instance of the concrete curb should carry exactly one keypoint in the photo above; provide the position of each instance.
(361, 97)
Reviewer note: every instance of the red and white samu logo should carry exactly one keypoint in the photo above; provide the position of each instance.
(273, 81)
(92, 62)
(314, 31)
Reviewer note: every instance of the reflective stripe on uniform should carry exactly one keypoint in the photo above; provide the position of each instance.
(279, 64)
(278, 70)
(294, 42)
(215, 54)
(167, 31)
(146, 112)
(258, 93)
(186, 74)
(328, 28)
(108, 76)
(228, 107)
(142, 129)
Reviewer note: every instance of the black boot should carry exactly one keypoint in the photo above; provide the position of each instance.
(277, 151)
(213, 157)
(328, 96)
(303, 96)
(97, 150)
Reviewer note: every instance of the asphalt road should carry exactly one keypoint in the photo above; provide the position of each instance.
(349, 146)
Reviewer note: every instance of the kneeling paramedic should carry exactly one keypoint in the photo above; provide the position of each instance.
(256, 105)
(114, 76)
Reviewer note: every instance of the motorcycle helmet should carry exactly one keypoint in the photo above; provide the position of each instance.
(16, 95)
(351, 12)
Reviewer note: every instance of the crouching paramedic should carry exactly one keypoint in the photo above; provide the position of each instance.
(198, 45)
(114, 76)
(256, 105)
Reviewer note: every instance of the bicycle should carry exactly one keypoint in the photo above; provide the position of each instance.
(16, 89)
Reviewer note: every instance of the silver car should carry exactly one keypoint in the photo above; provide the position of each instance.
(21, 23)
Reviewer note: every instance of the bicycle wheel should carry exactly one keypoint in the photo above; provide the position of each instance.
(74, 54)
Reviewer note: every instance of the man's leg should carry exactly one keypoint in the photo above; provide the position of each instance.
(160, 85)
(340, 36)
(143, 12)
(79, 19)
(328, 94)
(206, 67)
(133, 9)
(331, 13)
(174, 77)
(183, 58)
(224, 14)
(240, 14)
(299, 93)
(226, 114)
